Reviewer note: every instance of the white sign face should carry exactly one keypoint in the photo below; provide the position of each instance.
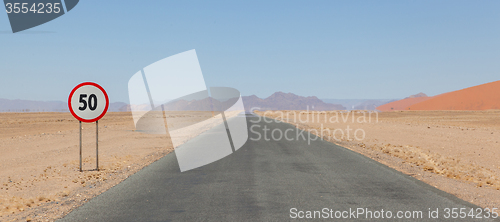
(88, 102)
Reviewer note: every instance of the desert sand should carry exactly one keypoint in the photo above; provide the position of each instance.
(39, 161)
(481, 97)
(455, 151)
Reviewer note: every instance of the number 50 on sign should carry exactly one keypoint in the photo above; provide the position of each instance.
(88, 102)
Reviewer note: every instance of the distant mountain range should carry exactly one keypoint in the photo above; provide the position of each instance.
(277, 101)
(481, 97)
(359, 104)
(18, 105)
(288, 101)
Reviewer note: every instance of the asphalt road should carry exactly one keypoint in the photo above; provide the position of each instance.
(271, 181)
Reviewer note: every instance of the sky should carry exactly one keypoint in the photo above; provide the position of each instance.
(328, 49)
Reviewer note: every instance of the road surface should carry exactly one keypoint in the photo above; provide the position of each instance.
(271, 181)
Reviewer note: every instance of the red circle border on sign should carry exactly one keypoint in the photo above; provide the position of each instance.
(86, 84)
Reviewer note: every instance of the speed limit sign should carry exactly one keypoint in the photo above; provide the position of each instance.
(88, 102)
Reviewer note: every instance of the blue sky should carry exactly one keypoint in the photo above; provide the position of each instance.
(330, 49)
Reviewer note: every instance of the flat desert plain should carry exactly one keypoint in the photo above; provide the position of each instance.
(455, 151)
(39, 161)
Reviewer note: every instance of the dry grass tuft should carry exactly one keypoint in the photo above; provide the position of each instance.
(425, 159)
(64, 193)
(41, 198)
(435, 163)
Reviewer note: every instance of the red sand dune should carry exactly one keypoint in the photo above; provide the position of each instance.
(481, 97)
(401, 104)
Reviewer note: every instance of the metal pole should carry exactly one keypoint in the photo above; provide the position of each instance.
(81, 146)
(97, 144)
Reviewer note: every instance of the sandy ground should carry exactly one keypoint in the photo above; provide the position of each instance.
(39, 161)
(455, 151)
(39, 156)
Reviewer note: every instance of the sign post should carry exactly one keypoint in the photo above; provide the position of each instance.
(97, 144)
(80, 146)
(88, 102)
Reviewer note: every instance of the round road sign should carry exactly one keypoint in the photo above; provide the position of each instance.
(88, 102)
